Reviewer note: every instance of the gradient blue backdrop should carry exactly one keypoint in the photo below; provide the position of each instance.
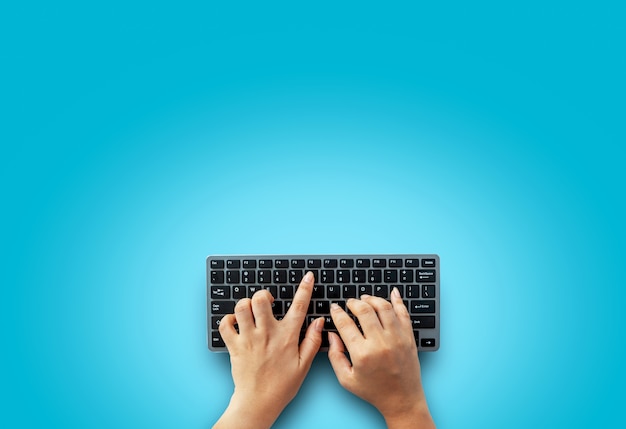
(137, 138)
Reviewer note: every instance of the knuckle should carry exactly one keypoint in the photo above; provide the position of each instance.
(242, 305)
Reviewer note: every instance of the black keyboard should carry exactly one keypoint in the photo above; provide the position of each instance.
(337, 278)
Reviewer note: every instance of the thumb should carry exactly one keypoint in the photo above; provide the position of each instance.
(312, 341)
(338, 360)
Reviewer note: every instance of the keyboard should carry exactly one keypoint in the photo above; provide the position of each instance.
(337, 279)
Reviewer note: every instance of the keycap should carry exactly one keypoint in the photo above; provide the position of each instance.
(426, 275)
(222, 307)
(346, 263)
(297, 263)
(314, 263)
(216, 263)
(423, 306)
(330, 263)
(428, 263)
(412, 263)
(249, 263)
(423, 322)
(233, 263)
(363, 263)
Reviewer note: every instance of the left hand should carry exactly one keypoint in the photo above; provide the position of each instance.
(268, 364)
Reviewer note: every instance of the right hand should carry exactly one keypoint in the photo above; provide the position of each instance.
(385, 369)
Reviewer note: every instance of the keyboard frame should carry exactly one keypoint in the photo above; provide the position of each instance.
(433, 333)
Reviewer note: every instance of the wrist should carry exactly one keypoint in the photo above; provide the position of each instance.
(417, 415)
(244, 412)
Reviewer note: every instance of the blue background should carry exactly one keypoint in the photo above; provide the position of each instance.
(137, 138)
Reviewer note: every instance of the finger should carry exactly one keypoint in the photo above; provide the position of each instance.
(338, 359)
(262, 308)
(346, 327)
(311, 343)
(227, 328)
(297, 312)
(383, 308)
(243, 314)
(398, 306)
(368, 319)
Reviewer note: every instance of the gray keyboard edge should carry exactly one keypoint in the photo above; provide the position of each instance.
(430, 333)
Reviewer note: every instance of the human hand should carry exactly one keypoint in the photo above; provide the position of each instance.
(267, 363)
(385, 369)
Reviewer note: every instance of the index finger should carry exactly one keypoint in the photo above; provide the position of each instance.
(300, 305)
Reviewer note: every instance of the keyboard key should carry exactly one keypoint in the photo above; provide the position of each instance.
(428, 342)
(412, 263)
(363, 263)
(249, 264)
(216, 339)
(220, 292)
(265, 263)
(358, 276)
(248, 276)
(346, 263)
(295, 276)
(232, 264)
(374, 276)
(322, 307)
(328, 276)
(428, 263)
(406, 276)
(314, 263)
(381, 291)
(330, 263)
(318, 291)
(265, 276)
(365, 290)
(239, 292)
(428, 291)
(232, 277)
(222, 307)
(349, 291)
(412, 291)
(426, 275)
(286, 292)
(216, 263)
(215, 321)
(394, 263)
(343, 276)
(252, 290)
(280, 276)
(379, 263)
(281, 263)
(423, 322)
(273, 290)
(217, 277)
(297, 263)
(277, 307)
(391, 276)
(427, 306)
(333, 291)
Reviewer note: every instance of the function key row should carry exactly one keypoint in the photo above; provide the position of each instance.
(326, 276)
(318, 263)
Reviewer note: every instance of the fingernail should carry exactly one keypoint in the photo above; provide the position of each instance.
(364, 296)
(395, 292)
(319, 324)
(334, 307)
(308, 277)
